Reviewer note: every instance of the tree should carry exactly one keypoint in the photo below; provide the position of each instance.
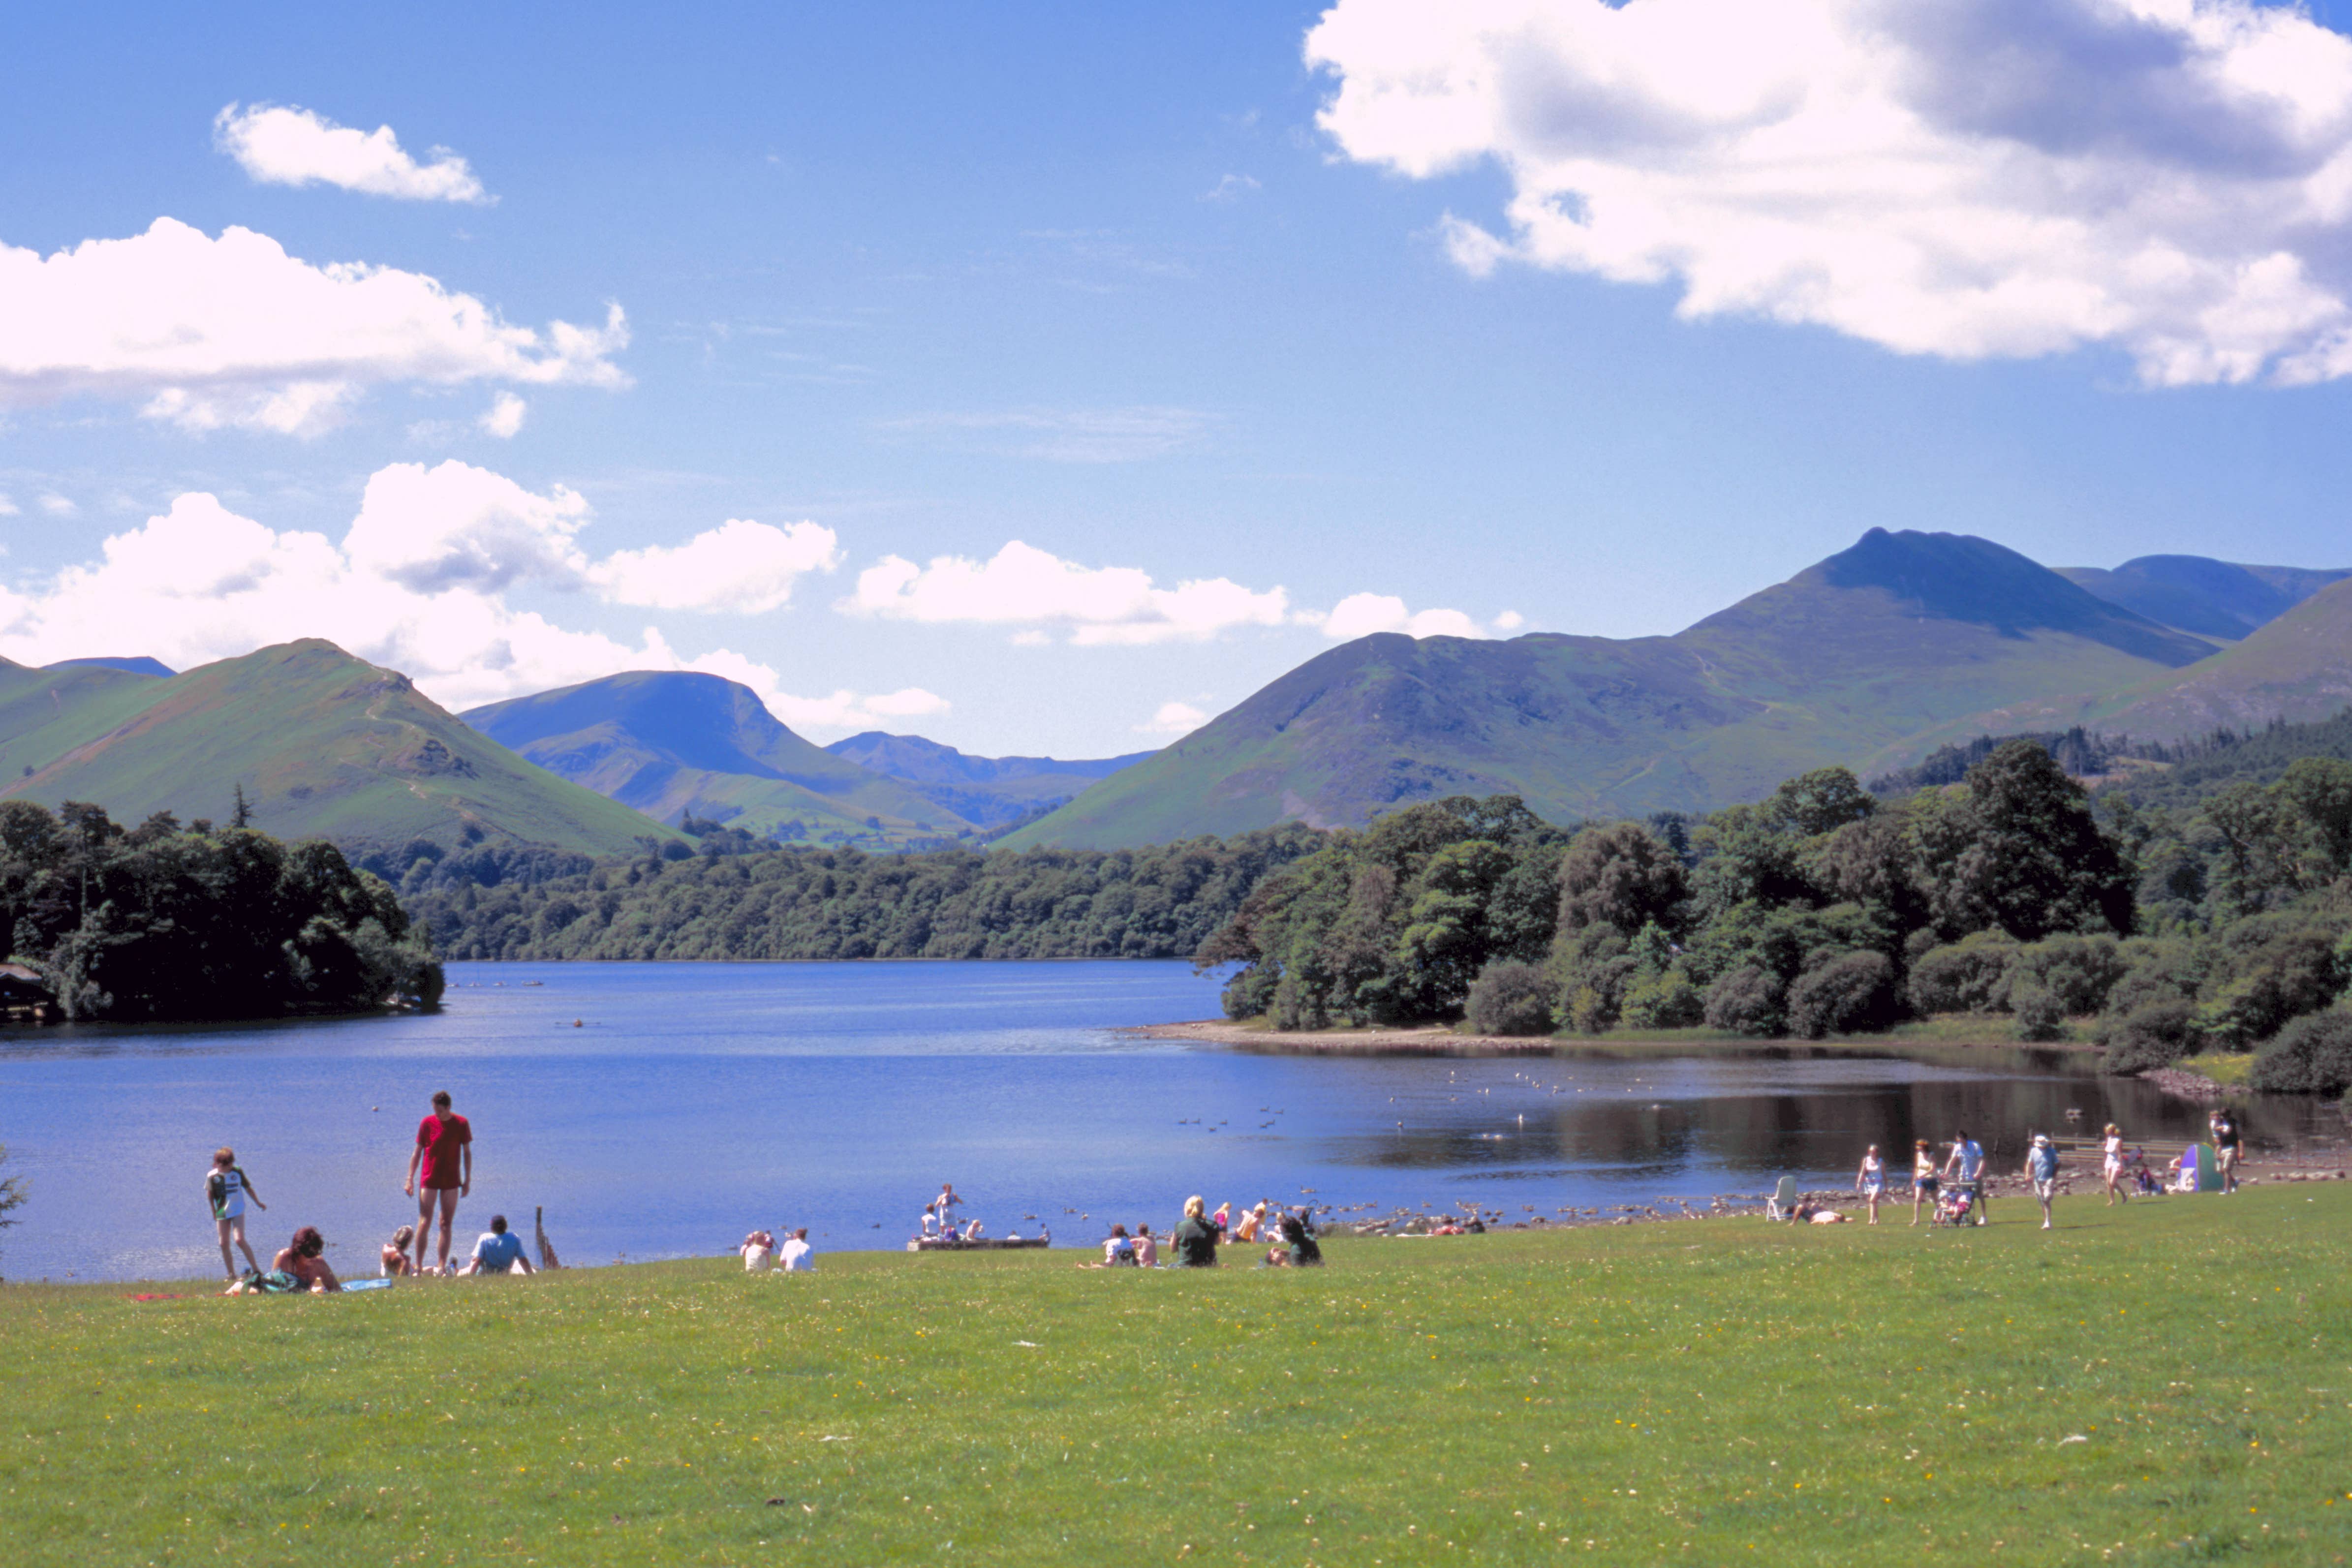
(240, 813)
(1619, 876)
(1820, 802)
(2318, 791)
(2026, 854)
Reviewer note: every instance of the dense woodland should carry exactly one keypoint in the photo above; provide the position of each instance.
(1827, 909)
(736, 901)
(159, 921)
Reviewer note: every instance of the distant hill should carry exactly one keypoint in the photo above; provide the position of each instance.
(1901, 633)
(322, 744)
(2210, 598)
(140, 665)
(987, 791)
(674, 744)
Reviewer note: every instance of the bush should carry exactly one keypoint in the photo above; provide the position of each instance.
(1747, 1000)
(1592, 1010)
(1665, 1001)
(2149, 1037)
(2039, 1012)
(1970, 976)
(2313, 1055)
(1510, 997)
(2077, 971)
(1851, 992)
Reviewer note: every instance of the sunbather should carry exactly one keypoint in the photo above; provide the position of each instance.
(301, 1258)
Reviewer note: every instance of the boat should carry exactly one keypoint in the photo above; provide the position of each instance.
(985, 1244)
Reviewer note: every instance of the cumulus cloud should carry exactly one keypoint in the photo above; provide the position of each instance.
(1362, 614)
(419, 582)
(1174, 719)
(504, 417)
(1069, 434)
(1021, 586)
(1965, 178)
(280, 145)
(844, 710)
(740, 566)
(207, 332)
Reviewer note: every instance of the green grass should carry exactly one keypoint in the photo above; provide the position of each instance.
(1713, 1390)
(2227, 1068)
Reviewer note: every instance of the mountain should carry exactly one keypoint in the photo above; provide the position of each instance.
(987, 791)
(1903, 633)
(322, 744)
(140, 665)
(2210, 598)
(674, 744)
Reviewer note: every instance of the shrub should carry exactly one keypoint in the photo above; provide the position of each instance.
(1665, 1001)
(1850, 992)
(2039, 1012)
(1592, 1010)
(2077, 971)
(1747, 1000)
(1968, 977)
(1510, 997)
(2313, 1055)
(2149, 1037)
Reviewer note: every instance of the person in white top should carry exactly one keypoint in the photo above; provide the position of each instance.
(799, 1257)
(226, 1189)
(2111, 1166)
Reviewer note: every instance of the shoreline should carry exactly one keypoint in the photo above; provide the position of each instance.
(1437, 1039)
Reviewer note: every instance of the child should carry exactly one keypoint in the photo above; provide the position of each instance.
(226, 1188)
(393, 1262)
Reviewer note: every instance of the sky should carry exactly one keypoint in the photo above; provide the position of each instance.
(1047, 379)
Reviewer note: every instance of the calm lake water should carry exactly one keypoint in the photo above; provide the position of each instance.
(695, 1101)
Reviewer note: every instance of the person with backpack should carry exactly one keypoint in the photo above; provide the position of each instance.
(227, 1188)
(2041, 1170)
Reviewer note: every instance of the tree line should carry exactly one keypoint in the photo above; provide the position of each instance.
(165, 922)
(1827, 909)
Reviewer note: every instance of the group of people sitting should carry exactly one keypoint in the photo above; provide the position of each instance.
(796, 1256)
(301, 1265)
(1195, 1240)
(939, 1220)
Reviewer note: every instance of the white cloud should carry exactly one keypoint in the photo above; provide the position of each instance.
(232, 331)
(418, 583)
(1025, 587)
(8, 508)
(285, 146)
(1966, 178)
(740, 566)
(504, 417)
(1070, 434)
(1361, 614)
(845, 711)
(1174, 719)
(57, 505)
(1231, 188)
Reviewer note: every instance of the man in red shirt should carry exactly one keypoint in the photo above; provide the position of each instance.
(444, 1151)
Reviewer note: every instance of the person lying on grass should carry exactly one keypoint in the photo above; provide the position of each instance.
(500, 1252)
(302, 1259)
(1808, 1212)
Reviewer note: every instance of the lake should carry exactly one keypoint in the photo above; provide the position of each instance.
(663, 1109)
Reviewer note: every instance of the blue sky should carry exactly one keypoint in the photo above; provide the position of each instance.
(933, 279)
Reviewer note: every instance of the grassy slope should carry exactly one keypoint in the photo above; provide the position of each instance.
(1708, 1392)
(324, 744)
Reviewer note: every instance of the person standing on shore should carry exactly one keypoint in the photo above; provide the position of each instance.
(1871, 1180)
(2111, 1165)
(226, 1188)
(2041, 1170)
(1966, 1167)
(1923, 1177)
(444, 1159)
(2227, 1147)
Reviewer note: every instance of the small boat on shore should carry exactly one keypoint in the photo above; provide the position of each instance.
(983, 1244)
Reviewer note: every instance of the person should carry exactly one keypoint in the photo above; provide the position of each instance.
(1118, 1251)
(1252, 1225)
(2228, 1144)
(2111, 1165)
(799, 1257)
(497, 1251)
(1966, 1166)
(1195, 1240)
(1871, 1179)
(1222, 1220)
(1299, 1245)
(759, 1250)
(302, 1259)
(227, 1188)
(392, 1259)
(1923, 1177)
(440, 1172)
(1146, 1248)
(944, 1206)
(2041, 1170)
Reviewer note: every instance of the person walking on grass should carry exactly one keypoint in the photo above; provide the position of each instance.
(2111, 1165)
(2041, 1170)
(1871, 1180)
(1923, 1177)
(1966, 1167)
(2226, 1145)
(440, 1172)
(225, 1188)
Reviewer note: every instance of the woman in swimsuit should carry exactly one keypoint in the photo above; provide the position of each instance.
(2111, 1167)
(302, 1259)
(1923, 1176)
(1871, 1180)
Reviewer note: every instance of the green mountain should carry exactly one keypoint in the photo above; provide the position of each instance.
(322, 744)
(1901, 633)
(2216, 598)
(988, 791)
(674, 744)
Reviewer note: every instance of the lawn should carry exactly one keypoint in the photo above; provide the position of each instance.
(2170, 1382)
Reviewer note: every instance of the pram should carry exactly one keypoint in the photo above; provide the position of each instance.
(1955, 1204)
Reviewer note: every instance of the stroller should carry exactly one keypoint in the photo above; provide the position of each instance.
(1956, 1204)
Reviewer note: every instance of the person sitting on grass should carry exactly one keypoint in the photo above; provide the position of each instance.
(1146, 1248)
(1299, 1247)
(392, 1261)
(500, 1252)
(759, 1250)
(799, 1257)
(1196, 1238)
(302, 1260)
(1252, 1225)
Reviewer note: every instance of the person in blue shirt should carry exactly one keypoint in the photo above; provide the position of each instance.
(2041, 1170)
(1966, 1167)
(497, 1252)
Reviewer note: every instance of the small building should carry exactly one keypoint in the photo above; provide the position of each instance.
(23, 992)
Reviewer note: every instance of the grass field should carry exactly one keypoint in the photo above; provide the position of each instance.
(2170, 1382)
